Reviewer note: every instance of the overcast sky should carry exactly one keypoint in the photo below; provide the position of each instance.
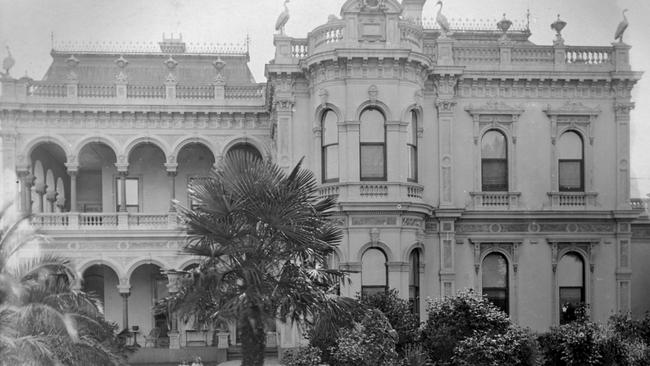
(26, 26)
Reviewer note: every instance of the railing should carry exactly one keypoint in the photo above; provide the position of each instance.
(588, 55)
(145, 91)
(359, 191)
(495, 200)
(572, 200)
(104, 221)
(43, 89)
(194, 91)
(327, 34)
(245, 91)
(639, 204)
(533, 55)
(96, 91)
(476, 55)
(299, 48)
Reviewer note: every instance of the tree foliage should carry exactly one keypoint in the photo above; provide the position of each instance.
(264, 237)
(43, 321)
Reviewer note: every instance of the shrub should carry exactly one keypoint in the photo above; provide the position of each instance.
(515, 347)
(414, 356)
(453, 319)
(399, 315)
(369, 343)
(308, 356)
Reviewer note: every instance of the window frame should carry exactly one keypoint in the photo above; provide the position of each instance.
(118, 197)
(382, 144)
(415, 280)
(364, 288)
(583, 288)
(326, 147)
(506, 289)
(505, 162)
(581, 161)
(412, 147)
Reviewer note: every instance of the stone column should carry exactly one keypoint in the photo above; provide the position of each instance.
(446, 102)
(73, 170)
(171, 175)
(50, 197)
(40, 188)
(622, 114)
(173, 278)
(125, 291)
(26, 182)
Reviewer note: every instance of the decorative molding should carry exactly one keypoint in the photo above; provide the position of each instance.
(483, 248)
(559, 247)
(494, 114)
(537, 227)
(373, 92)
(323, 95)
(572, 115)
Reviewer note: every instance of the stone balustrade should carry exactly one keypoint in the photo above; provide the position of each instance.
(495, 200)
(104, 221)
(380, 191)
(573, 200)
(326, 35)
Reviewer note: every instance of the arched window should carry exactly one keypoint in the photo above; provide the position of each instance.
(374, 273)
(494, 162)
(412, 147)
(571, 282)
(330, 146)
(247, 148)
(570, 162)
(372, 145)
(414, 281)
(495, 280)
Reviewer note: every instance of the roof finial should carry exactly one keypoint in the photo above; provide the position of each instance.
(528, 19)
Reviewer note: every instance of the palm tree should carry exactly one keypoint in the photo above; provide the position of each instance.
(264, 237)
(43, 321)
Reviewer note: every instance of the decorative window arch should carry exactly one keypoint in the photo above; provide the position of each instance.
(329, 146)
(374, 271)
(372, 144)
(570, 148)
(494, 161)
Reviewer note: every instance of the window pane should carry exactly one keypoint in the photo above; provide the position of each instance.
(372, 126)
(495, 271)
(570, 271)
(413, 163)
(331, 162)
(131, 192)
(498, 297)
(494, 175)
(493, 146)
(373, 268)
(411, 129)
(570, 178)
(570, 146)
(372, 161)
(330, 128)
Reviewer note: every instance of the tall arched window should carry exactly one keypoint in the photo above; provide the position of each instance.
(412, 147)
(571, 282)
(374, 273)
(414, 281)
(372, 145)
(494, 162)
(570, 162)
(495, 280)
(330, 146)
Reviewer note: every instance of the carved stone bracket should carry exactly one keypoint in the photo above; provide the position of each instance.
(572, 115)
(495, 114)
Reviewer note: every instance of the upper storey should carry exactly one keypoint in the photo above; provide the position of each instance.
(386, 29)
(169, 73)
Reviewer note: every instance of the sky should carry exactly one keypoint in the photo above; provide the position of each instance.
(26, 26)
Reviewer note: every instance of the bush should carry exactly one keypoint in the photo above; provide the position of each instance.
(369, 343)
(453, 319)
(399, 314)
(309, 356)
(515, 347)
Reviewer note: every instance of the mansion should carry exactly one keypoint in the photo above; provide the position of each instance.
(461, 156)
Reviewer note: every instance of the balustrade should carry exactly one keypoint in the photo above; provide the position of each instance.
(96, 91)
(43, 89)
(327, 34)
(102, 221)
(533, 55)
(572, 200)
(495, 200)
(194, 92)
(145, 91)
(476, 54)
(349, 192)
(299, 48)
(244, 91)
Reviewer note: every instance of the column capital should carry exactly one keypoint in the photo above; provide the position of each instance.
(122, 168)
(72, 168)
(124, 290)
(171, 167)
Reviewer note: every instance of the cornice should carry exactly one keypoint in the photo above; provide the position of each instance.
(366, 53)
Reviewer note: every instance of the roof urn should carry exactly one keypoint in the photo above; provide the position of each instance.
(557, 26)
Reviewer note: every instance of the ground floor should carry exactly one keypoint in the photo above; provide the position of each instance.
(537, 267)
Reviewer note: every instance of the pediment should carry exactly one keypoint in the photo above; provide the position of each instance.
(383, 6)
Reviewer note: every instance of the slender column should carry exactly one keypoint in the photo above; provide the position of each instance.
(125, 291)
(40, 189)
(73, 170)
(50, 197)
(171, 175)
(28, 183)
(173, 278)
(123, 175)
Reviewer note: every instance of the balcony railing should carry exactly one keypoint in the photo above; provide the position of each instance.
(369, 192)
(104, 221)
(495, 200)
(572, 200)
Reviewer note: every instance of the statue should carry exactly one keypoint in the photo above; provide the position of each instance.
(622, 26)
(442, 20)
(283, 18)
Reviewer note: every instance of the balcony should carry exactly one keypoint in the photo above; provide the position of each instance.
(71, 221)
(373, 192)
(495, 200)
(573, 200)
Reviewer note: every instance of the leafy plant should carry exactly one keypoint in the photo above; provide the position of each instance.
(308, 356)
(515, 347)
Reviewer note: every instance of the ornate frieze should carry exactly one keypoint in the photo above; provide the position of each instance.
(534, 227)
(522, 87)
(368, 68)
(374, 220)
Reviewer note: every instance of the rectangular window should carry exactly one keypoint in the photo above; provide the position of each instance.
(331, 163)
(494, 174)
(413, 163)
(372, 162)
(373, 290)
(132, 194)
(570, 176)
